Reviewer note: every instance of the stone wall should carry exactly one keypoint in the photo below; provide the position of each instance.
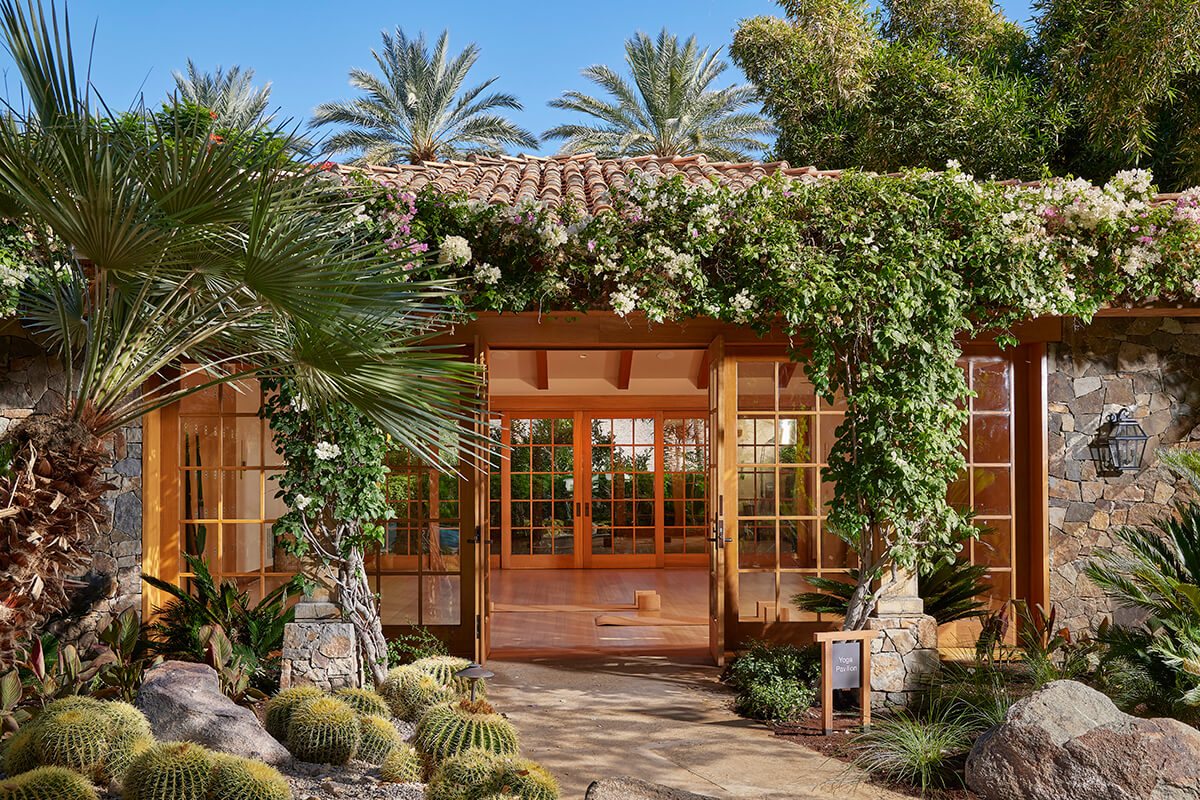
(319, 649)
(1151, 365)
(31, 381)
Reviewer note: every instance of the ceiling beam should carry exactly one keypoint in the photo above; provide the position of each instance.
(702, 373)
(626, 370)
(543, 370)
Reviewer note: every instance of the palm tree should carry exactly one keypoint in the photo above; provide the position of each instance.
(413, 111)
(668, 110)
(185, 264)
(231, 95)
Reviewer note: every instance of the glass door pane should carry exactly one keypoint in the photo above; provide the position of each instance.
(542, 487)
(624, 470)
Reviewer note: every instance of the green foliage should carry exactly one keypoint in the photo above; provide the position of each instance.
(323, 730)
(976, 695)
(415, 645)
(925, 752)
(1050, 653)
(47, 783)
(765, 662)
(448, 729)
(235, 778)
(129, 656)
(364, 702)
(669, 108)
(1157, 571)
(413, 110)
(775, 700)
(255, 629)
(169, 771)
(232, 671)
(402, 765)
(279, 708)
(378, 737)
(949, 591)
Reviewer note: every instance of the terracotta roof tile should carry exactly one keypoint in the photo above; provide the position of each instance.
(584, 180)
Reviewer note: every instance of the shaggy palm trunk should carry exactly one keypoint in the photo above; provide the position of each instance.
(50, 509)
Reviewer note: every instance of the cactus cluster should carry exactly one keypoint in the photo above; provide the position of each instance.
(169, 771)
(93, 738)
(448, 729)
(442, 669)
(403, 765)
(377, 738)
(236, 778)
(480, 775)
(279, 708)
(47, 783)
(323, 730)
(365, 702)
(409, 692)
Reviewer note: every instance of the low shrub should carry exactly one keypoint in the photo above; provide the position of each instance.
(923, 752)
(764, 663)
(409, 647)
(775, 700)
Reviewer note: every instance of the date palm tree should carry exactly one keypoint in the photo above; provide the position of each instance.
(183, 264)
(667, 110)
(416, 110)
(230, 94)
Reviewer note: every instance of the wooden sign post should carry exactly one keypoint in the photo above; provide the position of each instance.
(845, 664)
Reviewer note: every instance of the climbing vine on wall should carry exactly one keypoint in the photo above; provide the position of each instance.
(875, 278)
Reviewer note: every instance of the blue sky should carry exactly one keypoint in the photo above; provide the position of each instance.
(306, 48)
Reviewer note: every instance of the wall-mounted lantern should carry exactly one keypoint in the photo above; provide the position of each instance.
(1120, 444)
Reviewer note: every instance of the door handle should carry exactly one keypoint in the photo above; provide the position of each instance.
(577, 508)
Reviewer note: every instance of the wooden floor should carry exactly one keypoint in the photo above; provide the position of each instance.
(579, 596)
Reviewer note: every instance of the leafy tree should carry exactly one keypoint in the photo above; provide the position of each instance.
(231, 95)
(668, 110)
(334, 489)
(414, 111)
(190, 264)
(929, 83)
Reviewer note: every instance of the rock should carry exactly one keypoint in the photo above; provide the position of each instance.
(634, 789)
(1068, 740)
(183, 702)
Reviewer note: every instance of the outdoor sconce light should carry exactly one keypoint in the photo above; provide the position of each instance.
(474, 672)
(1119, 447)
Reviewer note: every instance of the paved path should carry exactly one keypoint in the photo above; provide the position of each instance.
(660, 720)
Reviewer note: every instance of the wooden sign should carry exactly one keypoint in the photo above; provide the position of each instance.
(845, 664)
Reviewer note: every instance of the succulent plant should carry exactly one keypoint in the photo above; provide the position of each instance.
(19, 755)
(466, 776)
(442, 669)
(127, 721)
(403, 765)
(47, 783)
(121, 754)
(323, 730)
(235, 778)
(377, 737)
(524, 779)
(169, 771)
(364, 701)
(279, 708)
(72, 736)
(448, 729)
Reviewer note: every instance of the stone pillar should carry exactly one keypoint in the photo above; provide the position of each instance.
(319, 648)
(906, 648)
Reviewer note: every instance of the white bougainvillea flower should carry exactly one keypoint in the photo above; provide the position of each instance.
(486, 273)
(455, 250)
(327, 451)
(302, 501)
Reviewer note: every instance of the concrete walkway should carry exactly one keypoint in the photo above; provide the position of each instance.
(661, 720)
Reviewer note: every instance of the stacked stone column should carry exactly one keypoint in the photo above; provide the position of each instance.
(905, 650)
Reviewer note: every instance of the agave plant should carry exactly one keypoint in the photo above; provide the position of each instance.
(669, 109)
(189, 265)
(415, 110)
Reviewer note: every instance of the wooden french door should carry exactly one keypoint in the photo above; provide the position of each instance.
(717, 539)
(599, 489)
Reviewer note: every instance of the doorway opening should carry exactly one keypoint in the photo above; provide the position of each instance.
(600, 513)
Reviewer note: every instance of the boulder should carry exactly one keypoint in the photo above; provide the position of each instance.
(634, 789)
(183, 702)
(1068, 740)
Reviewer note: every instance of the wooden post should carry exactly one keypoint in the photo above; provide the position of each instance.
(826, 639)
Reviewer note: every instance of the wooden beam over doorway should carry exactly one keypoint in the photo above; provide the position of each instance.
(702, 373)
(626, 370)
(542, 380)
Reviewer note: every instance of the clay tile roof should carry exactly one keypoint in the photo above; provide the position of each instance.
(583, 180)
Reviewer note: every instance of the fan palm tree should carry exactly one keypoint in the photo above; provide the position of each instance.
(668, 109)
(416, 110)
(231, 95)
(186, 264)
